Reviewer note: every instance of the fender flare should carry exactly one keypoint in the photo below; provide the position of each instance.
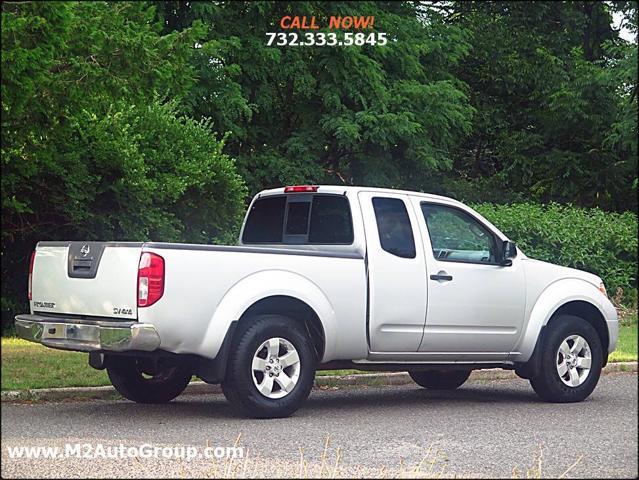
(261, 285)
(553, 297)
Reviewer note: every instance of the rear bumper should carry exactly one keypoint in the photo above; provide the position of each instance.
(71, 334)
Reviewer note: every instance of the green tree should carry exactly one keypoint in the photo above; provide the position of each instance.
(89, 148)
(384, 115)
(621, 72)
(552, 120)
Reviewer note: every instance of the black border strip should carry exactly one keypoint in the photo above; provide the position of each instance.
(246, 249)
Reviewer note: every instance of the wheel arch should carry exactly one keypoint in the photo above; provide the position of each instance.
(293, 308)
(570, 295)
(277, 292)
(588, 312)
(566, 297)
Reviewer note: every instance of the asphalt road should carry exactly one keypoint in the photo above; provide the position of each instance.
(485, 429)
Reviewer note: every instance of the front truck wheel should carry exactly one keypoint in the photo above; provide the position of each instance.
(144, 381)
(571, 361)
(440, 379)
(271, 367)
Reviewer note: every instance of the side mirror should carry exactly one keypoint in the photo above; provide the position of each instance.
(508, 252)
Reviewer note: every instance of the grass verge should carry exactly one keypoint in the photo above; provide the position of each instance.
(627, 343)
(27, 365)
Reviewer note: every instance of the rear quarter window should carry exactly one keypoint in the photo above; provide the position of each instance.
(394, 227)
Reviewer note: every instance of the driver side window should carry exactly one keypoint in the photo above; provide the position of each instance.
(457, 237)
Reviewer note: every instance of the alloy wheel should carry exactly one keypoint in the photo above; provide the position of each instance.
(276, 368)
(574, 360)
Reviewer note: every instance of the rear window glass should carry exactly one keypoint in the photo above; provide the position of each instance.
(312, 219)
(265, 221)
(331, 220)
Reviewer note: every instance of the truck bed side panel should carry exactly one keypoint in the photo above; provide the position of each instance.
(198, 279)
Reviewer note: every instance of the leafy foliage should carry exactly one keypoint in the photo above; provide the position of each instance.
(111, 113)
(148, 175)
(385, 115)
(89, 149)
(600, 242)
(556, 113)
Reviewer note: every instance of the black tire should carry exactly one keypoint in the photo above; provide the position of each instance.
(440, 379)
(129, 376)
(239, 387)
(547, 383)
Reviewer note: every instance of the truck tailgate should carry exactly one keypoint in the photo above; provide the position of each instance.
(86, 278)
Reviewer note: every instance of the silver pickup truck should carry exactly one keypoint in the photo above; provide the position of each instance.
(324, 277)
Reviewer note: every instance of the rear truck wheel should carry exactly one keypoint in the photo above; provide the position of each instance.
(440, 379)
(570, 363)
(271, 367)
(144, 381)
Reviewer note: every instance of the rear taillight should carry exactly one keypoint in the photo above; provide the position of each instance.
(150, 279)
(31, 275)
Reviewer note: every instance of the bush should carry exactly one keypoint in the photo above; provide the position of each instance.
(137, 173)
(599, 242)
(89, 152)
(151, 174)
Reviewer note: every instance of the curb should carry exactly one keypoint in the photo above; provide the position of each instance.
(322, 382)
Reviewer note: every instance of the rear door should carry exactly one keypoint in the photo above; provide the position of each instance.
(396, 273)
(86, 278)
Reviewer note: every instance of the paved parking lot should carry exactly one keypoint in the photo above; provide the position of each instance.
(496, 428)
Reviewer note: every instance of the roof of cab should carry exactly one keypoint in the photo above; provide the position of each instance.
(352, 190)
(342, 189)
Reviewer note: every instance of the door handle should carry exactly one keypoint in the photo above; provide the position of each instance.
(442, 276)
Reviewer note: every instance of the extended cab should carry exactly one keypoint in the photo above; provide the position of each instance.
(323, 277)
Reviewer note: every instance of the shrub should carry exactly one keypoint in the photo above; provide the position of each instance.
(599, 242)
(137, 172)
